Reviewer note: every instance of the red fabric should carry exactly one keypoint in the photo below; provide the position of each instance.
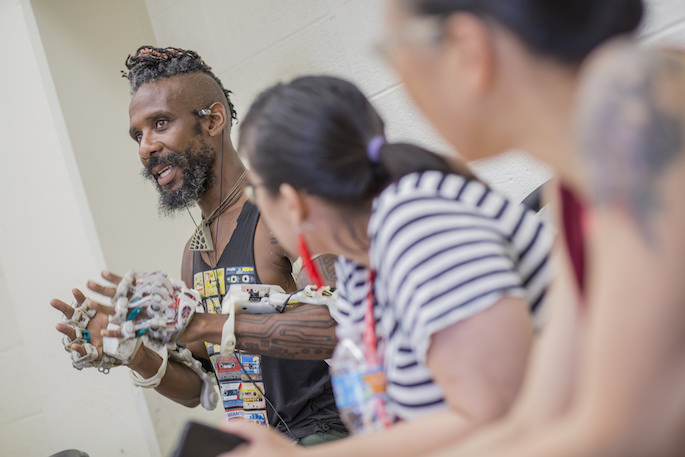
(572, 219)
(309, 267)
(371, 350)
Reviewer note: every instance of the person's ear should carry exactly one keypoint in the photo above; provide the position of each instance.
(470, 51)
(294, 204)
(214, 118)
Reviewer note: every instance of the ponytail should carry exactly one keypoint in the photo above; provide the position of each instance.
(400, 159)
(320, 134)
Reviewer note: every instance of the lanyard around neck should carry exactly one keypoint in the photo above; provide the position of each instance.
(371, 354)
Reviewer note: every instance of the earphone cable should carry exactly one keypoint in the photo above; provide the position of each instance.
(221, 190)
(254, 383)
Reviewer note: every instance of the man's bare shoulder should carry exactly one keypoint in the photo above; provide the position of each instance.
(272, 262)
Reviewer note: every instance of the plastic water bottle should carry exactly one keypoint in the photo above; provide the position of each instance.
(359, 389)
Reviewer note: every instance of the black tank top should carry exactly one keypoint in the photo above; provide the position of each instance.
(300, 390)
(240, 248)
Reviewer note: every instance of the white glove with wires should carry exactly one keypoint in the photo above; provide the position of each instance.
(149, 307)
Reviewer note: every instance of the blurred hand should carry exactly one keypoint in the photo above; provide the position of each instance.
(262, 441)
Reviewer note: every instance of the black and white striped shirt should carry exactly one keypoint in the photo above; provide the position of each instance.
(443, 248)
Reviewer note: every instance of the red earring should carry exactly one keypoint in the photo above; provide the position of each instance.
(309, 267)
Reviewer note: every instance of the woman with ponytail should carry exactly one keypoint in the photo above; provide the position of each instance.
(439, 276)
(607, 376)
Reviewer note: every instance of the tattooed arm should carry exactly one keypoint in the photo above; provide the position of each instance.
(304, 332)
(634, 137)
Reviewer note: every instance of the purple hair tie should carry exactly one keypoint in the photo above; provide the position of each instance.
(374, 147)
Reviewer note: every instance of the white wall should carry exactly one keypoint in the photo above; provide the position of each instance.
(69, 174)
(86, 43)
(665, 22)
(254, 44)
(47, 243)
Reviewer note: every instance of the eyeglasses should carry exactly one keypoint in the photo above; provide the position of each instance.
(250, 192)
(418, 30)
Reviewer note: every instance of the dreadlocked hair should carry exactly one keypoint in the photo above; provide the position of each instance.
(149, 64)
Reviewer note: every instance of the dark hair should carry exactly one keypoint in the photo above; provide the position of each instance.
(313, 133)
(149, 64)
(567, 30)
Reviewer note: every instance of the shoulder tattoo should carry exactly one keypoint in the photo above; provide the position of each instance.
(631, 130)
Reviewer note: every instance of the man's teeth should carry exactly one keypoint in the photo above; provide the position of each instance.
(164, 172)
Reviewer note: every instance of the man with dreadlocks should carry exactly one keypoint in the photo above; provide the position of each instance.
(181, 116)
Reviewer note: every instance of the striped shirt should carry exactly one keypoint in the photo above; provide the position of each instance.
(443, 248)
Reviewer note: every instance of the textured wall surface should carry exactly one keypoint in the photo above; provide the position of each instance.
(47, 242)
(252, 45)
(82, 201)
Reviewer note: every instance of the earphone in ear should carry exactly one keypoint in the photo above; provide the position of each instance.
(204, 112)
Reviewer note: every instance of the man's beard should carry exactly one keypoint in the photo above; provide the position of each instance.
(197, 168)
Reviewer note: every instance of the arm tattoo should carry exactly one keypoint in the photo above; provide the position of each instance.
(304, 332)
(630, 131)
(326, 265)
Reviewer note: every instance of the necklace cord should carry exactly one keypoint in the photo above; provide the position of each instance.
(221, 191)
(203, 230)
